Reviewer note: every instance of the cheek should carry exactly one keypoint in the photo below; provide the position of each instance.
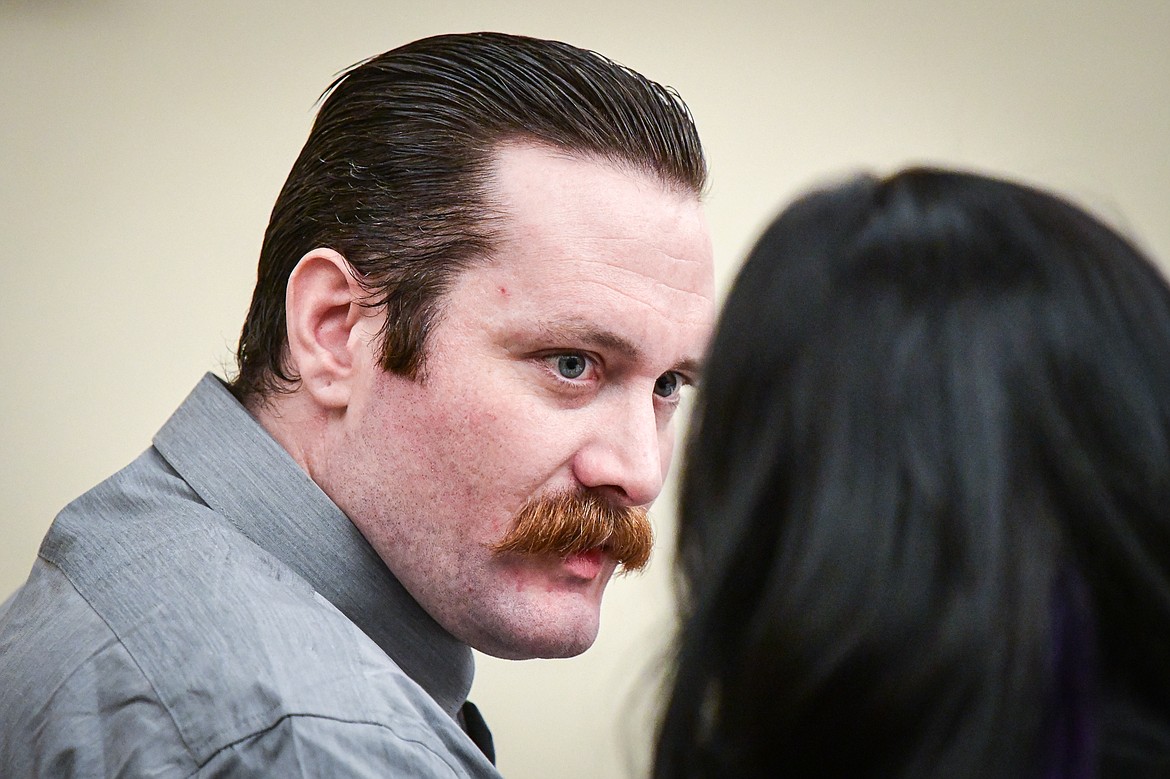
(499, 436)
(512, 449)
(483, 451)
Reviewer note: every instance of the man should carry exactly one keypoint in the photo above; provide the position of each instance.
(480, 293)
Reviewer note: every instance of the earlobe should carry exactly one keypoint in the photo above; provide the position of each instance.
(323, 305)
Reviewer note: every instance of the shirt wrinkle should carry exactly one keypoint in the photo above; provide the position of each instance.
(290, 719)
(113, 642)
(206, 595)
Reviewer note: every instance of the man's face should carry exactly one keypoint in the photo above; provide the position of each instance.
(555, 367)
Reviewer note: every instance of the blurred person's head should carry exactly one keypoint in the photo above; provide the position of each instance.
(925, 511)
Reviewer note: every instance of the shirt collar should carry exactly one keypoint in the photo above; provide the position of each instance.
(245, 475)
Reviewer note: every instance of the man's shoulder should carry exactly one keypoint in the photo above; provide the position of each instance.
(157, 564)
(145, 597)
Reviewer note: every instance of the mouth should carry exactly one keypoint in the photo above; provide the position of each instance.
(586, 565)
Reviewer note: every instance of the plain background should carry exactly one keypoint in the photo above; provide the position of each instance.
(143, 144)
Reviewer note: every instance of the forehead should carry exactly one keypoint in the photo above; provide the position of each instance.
(580, 225)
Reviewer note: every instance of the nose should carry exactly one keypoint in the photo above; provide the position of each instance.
(626, 455)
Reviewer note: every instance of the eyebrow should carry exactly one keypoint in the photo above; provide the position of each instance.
(590, 335)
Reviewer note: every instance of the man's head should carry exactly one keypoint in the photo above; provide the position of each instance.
(482, 288)
(393, 175)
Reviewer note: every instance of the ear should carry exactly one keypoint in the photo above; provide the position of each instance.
(323, 313)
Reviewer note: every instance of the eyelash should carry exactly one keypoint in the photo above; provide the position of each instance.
(592, 363)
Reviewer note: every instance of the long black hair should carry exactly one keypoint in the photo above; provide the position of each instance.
(925, 510)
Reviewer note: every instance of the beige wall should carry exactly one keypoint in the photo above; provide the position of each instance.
(144, 142)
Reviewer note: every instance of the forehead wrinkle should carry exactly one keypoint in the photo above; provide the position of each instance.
(665, 266)
(682, 305)
(667, 253)
(681, 279)
(597, 240)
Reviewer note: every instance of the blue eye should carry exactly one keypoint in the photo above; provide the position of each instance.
(571, 366)
(667, 385)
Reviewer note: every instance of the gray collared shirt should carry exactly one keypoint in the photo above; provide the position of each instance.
(208, 611)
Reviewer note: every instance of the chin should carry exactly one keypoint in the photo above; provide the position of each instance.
(565, 648)
(541, 616)
(547, 636)
(541, 649)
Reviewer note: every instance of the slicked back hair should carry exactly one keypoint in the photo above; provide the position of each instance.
(395, 170)
(925, 508)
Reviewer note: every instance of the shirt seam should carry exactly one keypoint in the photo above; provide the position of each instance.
(145, 677)
(315, 716)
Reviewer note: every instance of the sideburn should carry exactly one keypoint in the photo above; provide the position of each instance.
(572, 522)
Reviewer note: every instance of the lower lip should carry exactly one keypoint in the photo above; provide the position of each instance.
(585, 565)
